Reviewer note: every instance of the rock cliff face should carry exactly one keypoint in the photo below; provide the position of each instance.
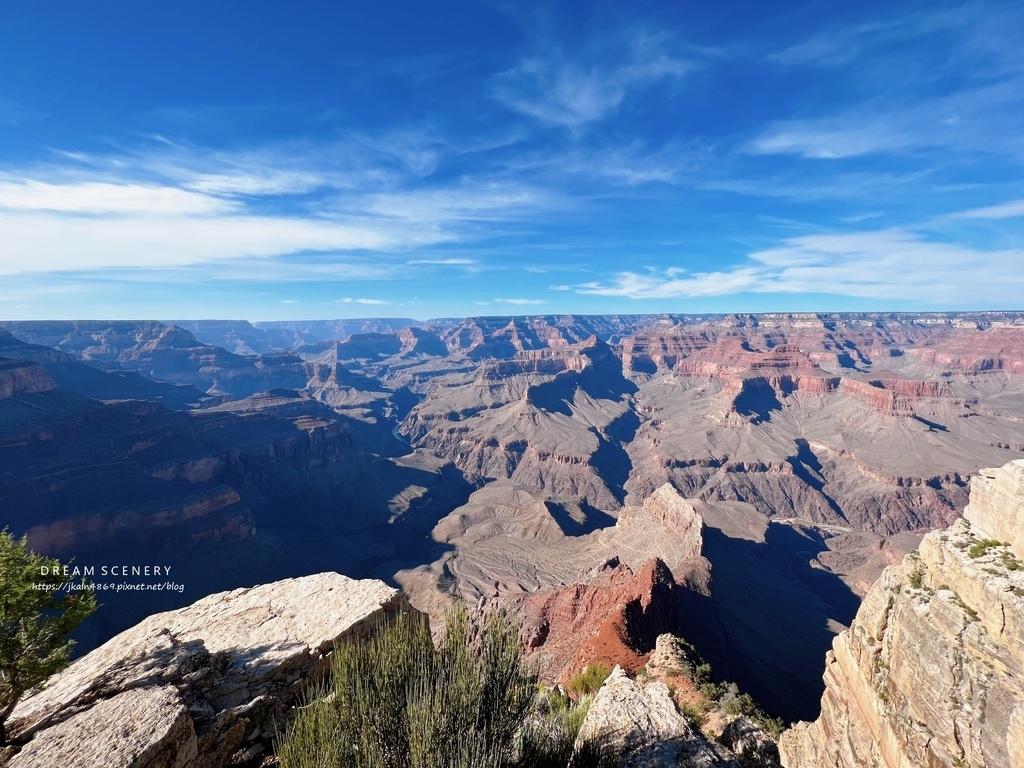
(200, 687)
(19, 377)
(931, 673)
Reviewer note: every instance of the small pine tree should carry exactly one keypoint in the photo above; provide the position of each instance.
(34, 621)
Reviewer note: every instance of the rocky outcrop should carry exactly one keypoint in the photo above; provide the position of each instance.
(677, 514)
(419, 341)
(930, 673)
(148, 727)
(615, 621)
(642, 723)
(20, 377)
(676, 664)
(749, 742)
(877, 397)
(997, 505)
(200, 687)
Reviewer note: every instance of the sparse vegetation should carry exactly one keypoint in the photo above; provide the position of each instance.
(721, 695)
(397, 701)
(1009, 560)
(972, 615)
(697, 716)
(916, 577)
(882, 692)
(982, 547)
(548, 737)
(589, 680)
(915, 572)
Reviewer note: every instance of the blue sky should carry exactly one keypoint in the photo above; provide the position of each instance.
(273, 160)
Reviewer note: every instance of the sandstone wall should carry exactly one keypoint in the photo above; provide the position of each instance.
(931, 673)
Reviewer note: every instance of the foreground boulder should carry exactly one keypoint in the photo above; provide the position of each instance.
(931, 672)
(642, 724)
(200, 687)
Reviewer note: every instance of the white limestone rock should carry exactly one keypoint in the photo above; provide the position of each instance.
(233, 663)
(641, 722)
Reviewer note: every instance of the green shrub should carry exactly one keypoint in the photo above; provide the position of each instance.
(397, 701)
(742, 704)
(702, 674)
(982, 546)
(548, 738)
(589, 680)
(712, 691)
(694, 714)
(773, 725)
(916, 577)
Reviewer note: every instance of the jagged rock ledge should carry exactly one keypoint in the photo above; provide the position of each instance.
(200, 687)
(931, 672)
(640, 722)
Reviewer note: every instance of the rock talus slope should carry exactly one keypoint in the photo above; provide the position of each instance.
(200, 687)
(931, 673)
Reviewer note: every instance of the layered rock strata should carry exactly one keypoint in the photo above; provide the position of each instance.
(931, 673)
(200, 687)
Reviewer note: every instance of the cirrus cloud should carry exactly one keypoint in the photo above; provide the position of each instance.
(889, 264)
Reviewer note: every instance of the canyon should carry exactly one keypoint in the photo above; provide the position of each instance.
(928, 673)
(715, 472)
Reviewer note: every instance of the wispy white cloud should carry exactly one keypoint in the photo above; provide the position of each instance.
(886, 264)
(837, 47)
(573, 89)
(858, 217)
(105, 198)
(350, 300)
(163, 211)
(833, 138)
(48, 241)
(521, 301)
(450, 262)
(800, 186)
(948, 78)
(981, 119)
(956, 32)
(269, 183)
(559, 288)
(472, 202)
(1008, 210)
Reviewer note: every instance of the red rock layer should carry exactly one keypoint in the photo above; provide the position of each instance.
(613, 621)
(877, 397)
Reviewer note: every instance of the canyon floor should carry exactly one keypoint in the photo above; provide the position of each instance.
(740, 481)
